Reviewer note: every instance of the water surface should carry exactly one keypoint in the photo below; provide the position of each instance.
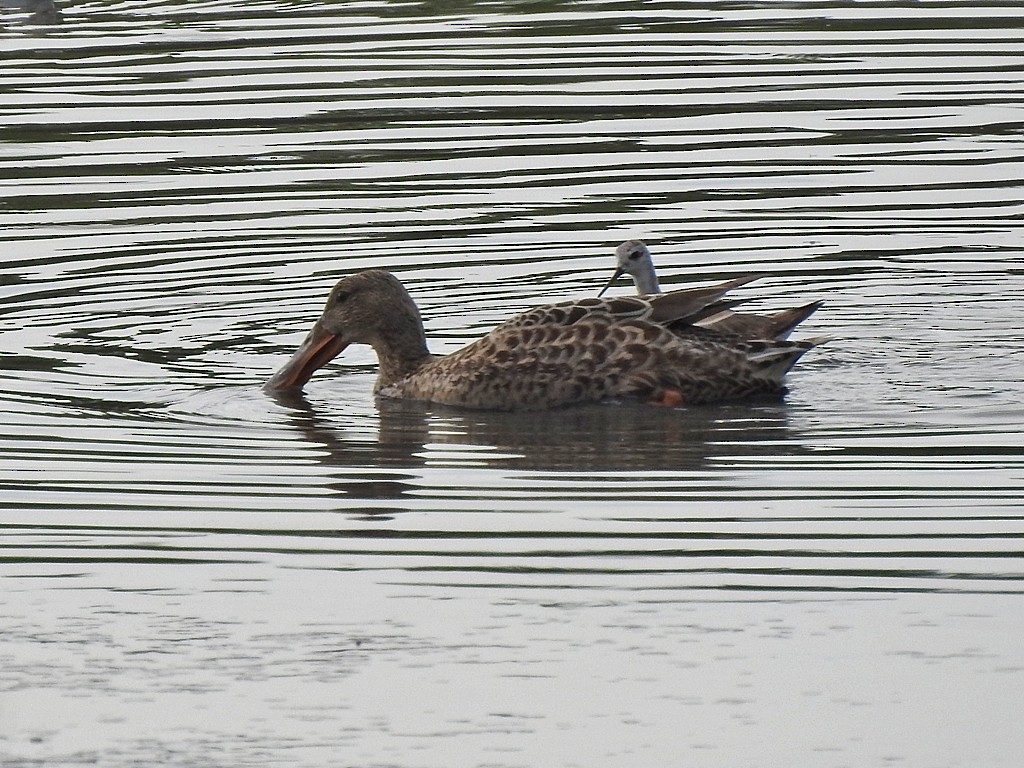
(198, 574)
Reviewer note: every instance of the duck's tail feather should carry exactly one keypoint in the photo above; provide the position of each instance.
(772, 359)
(783, 323)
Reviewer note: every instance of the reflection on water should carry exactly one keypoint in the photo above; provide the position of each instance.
(197, 574)
(609, 437)
(34, 12)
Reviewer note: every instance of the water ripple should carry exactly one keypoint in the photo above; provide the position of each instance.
(180, 185)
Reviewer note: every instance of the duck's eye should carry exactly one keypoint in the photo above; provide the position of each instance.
(340, 296)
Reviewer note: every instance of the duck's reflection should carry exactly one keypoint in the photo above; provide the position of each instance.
(40, 11)
(369, 458)
(601, 438)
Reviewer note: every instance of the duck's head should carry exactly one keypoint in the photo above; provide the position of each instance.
(632, 258)
(370, 307)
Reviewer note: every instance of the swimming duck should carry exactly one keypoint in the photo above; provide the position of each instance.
(633, 258)
(550, 356)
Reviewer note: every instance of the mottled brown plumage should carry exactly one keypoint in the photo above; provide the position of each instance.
(555, 355)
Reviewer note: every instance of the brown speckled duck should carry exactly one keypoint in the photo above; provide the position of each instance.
(550, 356)
(633, 258)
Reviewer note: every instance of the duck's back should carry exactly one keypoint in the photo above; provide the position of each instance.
(528, 365)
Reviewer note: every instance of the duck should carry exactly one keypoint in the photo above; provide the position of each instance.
(556, 355)
(633, 258)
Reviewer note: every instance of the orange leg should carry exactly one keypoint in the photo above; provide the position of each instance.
(671, 398)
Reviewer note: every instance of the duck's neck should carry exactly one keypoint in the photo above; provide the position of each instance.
(400, 354)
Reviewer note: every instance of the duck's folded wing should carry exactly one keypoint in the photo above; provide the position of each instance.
(688, 305)
(680, 306)
(750, 326)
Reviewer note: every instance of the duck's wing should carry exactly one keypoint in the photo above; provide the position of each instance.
(718, 315)
(751, 326)
(569, 313)
(685, 306)
(704, 368)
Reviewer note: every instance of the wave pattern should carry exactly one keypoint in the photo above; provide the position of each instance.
(181, 183)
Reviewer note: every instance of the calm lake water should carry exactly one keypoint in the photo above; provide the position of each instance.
(196, 574)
